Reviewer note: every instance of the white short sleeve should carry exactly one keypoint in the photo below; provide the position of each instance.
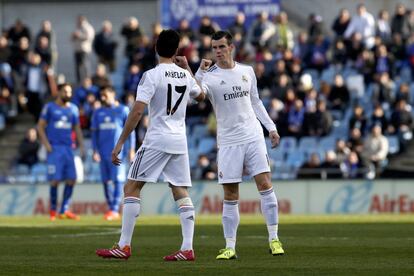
(146, 88)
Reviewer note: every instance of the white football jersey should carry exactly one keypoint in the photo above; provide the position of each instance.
(235, 99)
(166, 89)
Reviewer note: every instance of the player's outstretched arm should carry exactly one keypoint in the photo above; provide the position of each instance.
(133, 119)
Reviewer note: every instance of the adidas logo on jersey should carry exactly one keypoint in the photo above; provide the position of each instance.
(222, 82)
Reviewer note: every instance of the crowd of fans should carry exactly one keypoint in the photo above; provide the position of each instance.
(312, 83)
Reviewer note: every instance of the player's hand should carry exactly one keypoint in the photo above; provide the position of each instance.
(96, 157)
(205, 64)
(114, 155)
(181, 61)
(274, 138)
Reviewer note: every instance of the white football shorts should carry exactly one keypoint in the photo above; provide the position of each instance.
(150, 164)
(250, 158)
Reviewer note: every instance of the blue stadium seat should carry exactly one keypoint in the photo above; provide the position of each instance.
(288, 143)
(308, 142)
(394, 144)
(328, 142)
(296, 158)
(206, 145)
(283, 171)
(356, 86)
(21, 169)
(277, 155)
(200, 131)
(328, 75)
(39, 172)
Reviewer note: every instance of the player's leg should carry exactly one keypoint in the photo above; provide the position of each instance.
(53, 199)
(257, 164)
(54, 175)
(177, 173)
(146, 167)
(118, 178)
(230, 168)
(69, 174)
(105, 168)
(131, 209)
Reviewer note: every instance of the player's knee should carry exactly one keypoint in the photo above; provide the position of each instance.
(133, 188)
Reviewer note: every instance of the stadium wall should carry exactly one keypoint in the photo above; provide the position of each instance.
(296, 197)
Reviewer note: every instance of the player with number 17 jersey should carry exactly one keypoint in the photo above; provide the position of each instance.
(166, 89)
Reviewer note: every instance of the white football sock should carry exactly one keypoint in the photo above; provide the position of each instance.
(187, 217)
(230, 220)
(132, 206)
(270, 212)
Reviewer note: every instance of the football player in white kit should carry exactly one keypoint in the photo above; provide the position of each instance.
(166, 90)
(232, 89)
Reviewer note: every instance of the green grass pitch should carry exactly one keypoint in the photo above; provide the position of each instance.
(314, 245)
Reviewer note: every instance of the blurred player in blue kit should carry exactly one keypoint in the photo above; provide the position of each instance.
(57, 121)
(106, 126)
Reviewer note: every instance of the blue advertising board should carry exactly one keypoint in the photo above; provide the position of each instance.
(220, 11)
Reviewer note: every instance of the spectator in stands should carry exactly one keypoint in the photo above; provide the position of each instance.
(323, 119)
(82, 39)
(83, 90)
(352, 167)
(365, 64)
(18, 57)
(282, 35)
(354, 47)
(238, 26)
(341, 24)
(43, 49)
(315, 26)
(375, 150)
(383, 28)
(29, 148)
(301, 46)
(384, 91)
(17, 31)
(184, 29)
(403, 93)
(205, 169)
(397, 50)
(410, 54)
(105, 46)
(378, 118)
(46, 31)
(36, 85)
(339, 54)
(100, 78)
(295, 120)
(5, 101)
(330, 167)
(259, 30)
(399, 22)
(198, 113)
(281, 87)
(263, 80)
(132, 79)
(364, 24)
(311, 169)
(341, 149)
(133, 33)
(339, 94)
(205, 46)
(207, 26)
(401, 122)
(355, 141)
(383, 61)
(317, 57)
(5, 51)
(358, 119)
